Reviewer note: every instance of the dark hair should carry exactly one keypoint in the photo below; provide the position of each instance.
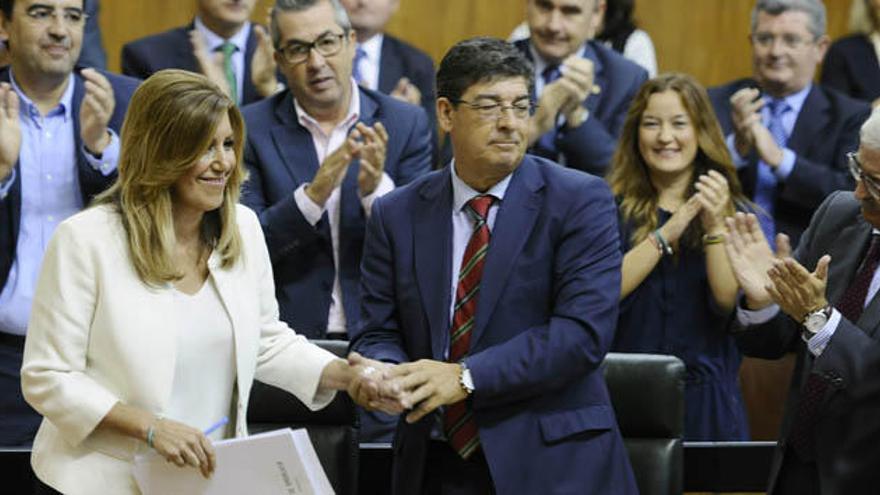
(618, 23)
(480, 60)
(6, 7)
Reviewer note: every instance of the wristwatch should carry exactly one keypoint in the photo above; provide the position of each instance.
(467, 383)
(815, 320)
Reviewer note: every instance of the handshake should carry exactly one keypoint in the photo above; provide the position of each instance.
(419, 387)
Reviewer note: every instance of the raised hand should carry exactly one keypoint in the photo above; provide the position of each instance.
(406, 91)
(10, 130)
(713, 194)
(751, 258)
(374, 142)
(332, 170)
(580, 72)
(766, 146)
(372, 387)
(95, 111)
(796, 290)
(427, 385)
(210, 64)
(184, 446)
(673, 229)
(263, 65)
(745, 107)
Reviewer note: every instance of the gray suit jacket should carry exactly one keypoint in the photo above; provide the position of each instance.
(848, 428)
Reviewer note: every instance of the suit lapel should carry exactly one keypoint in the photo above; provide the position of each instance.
(391, 67)
(351, 218)
(432, 232)
(229, 297)
(600, 79)
(184, 57)
(293, 142)
(812, 118)
(846, 254)
(513, 225)
(249, 91)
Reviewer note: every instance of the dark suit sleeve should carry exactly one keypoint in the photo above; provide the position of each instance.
(834, 71)
(590, 146)
(379, 336)
(283, 223)
(415, 159)
(133, 64)
(811, 182)
(581, 324)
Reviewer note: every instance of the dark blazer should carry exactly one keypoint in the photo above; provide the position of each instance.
(848, 425)
(91, 181)
(280, 155)
(173, 50)
(826, 129)
(545, 319)
(591, 146)
(851, 67)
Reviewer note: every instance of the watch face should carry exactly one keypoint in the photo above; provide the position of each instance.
(815, 322)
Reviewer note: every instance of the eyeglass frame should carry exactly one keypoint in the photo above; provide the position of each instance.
(70, 16)
(313, 45)
(497, 108)
(789, 41)
(871, 184)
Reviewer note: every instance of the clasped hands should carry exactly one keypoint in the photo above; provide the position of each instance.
(749, 129)
(766, 277)
(419, 387)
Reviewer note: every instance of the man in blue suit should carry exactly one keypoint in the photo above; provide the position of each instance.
(58, 148)
(220, 42)
(583, 87)
(788, 137)
(319, 154)
(495, 282)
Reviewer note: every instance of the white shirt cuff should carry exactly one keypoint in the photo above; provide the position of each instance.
(738, 161)
(6, 184)
(747, 317)
(386, 185)
(109, 157)
(817, 343)
(309, 209)
(786, 165)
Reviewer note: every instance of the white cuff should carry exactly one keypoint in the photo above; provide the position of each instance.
(309, 209)
(109, 157)
(386, 185)
(747, 317)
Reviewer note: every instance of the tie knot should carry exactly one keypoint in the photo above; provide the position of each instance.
(479, 206)
(551, 73)
(228, 48)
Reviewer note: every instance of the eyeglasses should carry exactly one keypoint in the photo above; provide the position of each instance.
(790, 41)
(492, 110)
(855, 168)
(43, 15)
(327, 45)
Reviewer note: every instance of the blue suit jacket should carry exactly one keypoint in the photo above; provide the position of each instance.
(173, 50)
(545, 319)
(851, 67)
(91, 181)
(590, 146)
(825, 130)
(280, 155)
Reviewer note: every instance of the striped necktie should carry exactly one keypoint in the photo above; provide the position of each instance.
(458, 421)
(765, 187)
(228, 48)
(359, 55)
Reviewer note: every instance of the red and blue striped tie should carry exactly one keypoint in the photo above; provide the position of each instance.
(458, 421)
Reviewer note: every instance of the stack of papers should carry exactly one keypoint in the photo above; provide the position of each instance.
(279, 462)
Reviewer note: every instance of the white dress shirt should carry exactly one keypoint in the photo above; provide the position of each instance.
(213, 41)
(370, 65)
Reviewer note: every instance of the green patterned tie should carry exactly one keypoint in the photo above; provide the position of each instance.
(228, 49)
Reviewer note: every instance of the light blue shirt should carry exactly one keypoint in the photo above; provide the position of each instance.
(213, 42)
(795, 102)
(50, 193)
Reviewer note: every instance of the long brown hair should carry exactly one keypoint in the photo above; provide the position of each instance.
(629, 177)
(170, 122)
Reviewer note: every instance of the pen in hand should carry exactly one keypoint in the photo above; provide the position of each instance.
(215, 426)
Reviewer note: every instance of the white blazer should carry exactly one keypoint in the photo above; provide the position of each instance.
(99, 335)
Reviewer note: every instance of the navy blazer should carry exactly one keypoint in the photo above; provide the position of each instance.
(847, 426)
(91, 181)
(590, 146)
(546, 317)
(851, 67)
(280, 156)
(826, 129)
(172, 49)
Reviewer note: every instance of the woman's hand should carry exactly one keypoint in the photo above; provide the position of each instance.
(713, 193)
(679, 221)
(183, 445)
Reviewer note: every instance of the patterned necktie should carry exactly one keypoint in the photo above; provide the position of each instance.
(359, 56)
(765, 188)
(548, 141)
(228, 48)
(458, 420)
(850, 305)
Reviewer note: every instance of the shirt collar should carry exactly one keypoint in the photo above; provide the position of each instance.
(373, 48)
(29, 108)
(351, 116)
(213, 40)
(462, 193)
(795, 101)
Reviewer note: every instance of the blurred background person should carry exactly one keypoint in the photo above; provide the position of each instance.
(618, 30)
(851, 64)
(221, 42)
(155, 308)
(674, 183)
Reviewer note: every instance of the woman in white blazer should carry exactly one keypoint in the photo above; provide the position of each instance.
(155, 309)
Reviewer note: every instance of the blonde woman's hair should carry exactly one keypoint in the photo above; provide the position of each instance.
(863, 17)
(170, 123)
(629, 178)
